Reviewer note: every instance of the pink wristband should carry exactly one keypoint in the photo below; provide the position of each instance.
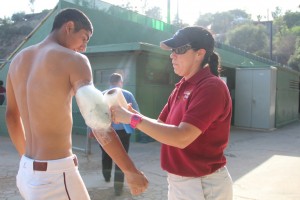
(135, 120)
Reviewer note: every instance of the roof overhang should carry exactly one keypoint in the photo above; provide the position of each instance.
(124, 47)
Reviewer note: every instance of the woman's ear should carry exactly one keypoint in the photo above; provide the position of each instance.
(201, 52)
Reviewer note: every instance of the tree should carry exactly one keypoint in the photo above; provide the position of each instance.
(128, 6)
(18, 17)
(294, 61)
(280, 27)
(31, 5)
(178, 22)
(239, 14)
(296, 31)
(5, 21)
(205, 20)
(285, 37)
(154, 12)
(233, 28)
(12, 33)
(259, 18)
(284, 47)
(220, 23)
(292, 19)
(277, 13)
(249, 37)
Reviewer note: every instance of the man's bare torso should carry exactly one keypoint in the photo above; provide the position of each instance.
(43, 91)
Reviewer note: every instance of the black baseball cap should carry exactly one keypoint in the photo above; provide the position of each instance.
(197, 36)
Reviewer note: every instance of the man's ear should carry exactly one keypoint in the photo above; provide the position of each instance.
(69, 27)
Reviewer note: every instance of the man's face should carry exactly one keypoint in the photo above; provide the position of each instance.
(78, 40)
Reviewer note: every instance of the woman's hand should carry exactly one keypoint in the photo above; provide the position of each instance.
(121, 115)
(131, 109)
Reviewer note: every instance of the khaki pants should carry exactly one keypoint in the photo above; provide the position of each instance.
(216, 186)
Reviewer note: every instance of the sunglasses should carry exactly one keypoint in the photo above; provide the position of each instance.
(182, 50)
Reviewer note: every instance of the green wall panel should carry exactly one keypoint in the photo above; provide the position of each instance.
(287, 96)
(148, 75)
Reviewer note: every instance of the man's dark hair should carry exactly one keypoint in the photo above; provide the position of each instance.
(115, 78)
(80, 20)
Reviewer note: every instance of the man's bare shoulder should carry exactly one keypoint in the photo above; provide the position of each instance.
(23, 52)
(20, 58)
(52, 52)
(66, 55)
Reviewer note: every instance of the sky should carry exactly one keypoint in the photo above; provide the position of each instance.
(188, 10)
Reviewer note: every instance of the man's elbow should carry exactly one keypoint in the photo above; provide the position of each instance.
(10, 117)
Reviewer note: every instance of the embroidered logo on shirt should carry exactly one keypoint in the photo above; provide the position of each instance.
(186, 94)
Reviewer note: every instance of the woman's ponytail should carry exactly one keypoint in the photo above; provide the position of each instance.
(214, 64)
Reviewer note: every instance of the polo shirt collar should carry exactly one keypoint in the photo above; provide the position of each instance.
(196, 78)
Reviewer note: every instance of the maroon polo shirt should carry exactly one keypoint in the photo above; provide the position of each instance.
(203, 101)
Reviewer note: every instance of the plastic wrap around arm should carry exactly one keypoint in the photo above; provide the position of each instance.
(115, 97)
(95, 112)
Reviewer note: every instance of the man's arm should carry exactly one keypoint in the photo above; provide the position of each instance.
(97, 116)
(13, 119)
(135, 179)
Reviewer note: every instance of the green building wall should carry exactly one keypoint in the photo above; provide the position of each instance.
(128, 43)
(287, 96)
(112, 27)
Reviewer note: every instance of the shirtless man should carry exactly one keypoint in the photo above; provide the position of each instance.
(41, 81)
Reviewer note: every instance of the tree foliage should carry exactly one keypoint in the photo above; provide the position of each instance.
(233, 27)
(15, 28)
(5, 21)
(236, 28)
(31, 5)
(292, 19)
(154, 12)
(18, 17)
(294, 61)
(205, 20)
(284, 47)
(249, 37)
(222, 22)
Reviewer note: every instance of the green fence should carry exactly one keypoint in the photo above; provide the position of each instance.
(124, 14)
